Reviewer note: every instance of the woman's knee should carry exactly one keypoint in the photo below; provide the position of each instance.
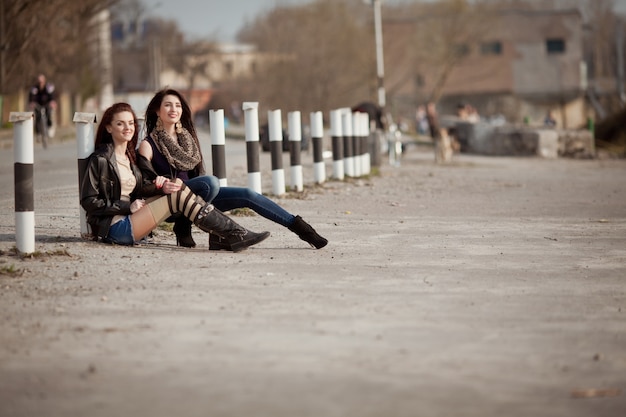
(248, 194)
(213, 182)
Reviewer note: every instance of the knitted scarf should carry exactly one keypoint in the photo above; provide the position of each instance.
(184, 154)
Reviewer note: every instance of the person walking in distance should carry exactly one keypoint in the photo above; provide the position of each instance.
(441, 140)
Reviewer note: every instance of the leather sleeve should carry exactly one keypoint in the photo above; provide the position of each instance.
(148, 173)
(98, 195)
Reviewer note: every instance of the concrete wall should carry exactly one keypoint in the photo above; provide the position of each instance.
(514, 140)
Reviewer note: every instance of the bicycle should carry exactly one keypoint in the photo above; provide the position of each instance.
(41, 125)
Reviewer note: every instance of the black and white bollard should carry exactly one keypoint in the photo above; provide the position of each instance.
(317, 137)
(361, 127)
(337, 142)
(348, 149)
(23, 154)
(251, 121)
(366, 164)
(356, 143)
(274, 119)
(218, 144)
(85, 134)
(294, 126)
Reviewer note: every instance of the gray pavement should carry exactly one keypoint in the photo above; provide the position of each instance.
(487, 287)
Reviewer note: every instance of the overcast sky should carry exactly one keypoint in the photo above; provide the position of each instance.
(222, 19)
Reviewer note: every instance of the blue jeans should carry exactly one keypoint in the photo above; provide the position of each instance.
(121, 233)
(229, 198)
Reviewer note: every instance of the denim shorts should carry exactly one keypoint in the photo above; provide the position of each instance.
(121, 233)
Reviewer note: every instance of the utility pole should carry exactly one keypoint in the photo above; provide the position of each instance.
(3, 43)
(155, 65)
(380, 64)
(375, 139)
(103, 20)
(619, 42)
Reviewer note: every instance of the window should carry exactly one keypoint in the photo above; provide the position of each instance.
(555, 46)
(491, 48)
(117, 31)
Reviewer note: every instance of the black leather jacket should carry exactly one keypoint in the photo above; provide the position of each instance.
(100, 191)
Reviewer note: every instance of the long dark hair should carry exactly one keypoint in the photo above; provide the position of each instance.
(155, 105)
(103, 137)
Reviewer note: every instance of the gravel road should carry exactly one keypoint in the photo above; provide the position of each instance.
(486, 287)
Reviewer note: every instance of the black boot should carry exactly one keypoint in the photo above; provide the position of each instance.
(213, 221)
(217, 243)
(182, 229)
(307, 233)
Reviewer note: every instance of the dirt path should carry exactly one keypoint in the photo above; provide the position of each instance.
(492, 286)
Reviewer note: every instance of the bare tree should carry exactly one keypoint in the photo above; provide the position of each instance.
(322, 56)
(192, 59)
(436, 40)
(151, 45)
(51, 37)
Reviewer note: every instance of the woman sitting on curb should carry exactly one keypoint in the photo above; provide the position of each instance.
(172, 149)
(122, 208)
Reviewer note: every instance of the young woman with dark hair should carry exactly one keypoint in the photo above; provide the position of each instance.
(172, 149)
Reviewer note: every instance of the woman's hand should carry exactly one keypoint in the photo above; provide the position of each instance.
(159, 181)
(169, 187)
(136, 205)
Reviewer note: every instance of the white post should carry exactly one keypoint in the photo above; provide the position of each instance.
(24, 155)
(337, 139)
(367, 158)
(251, 121)
(85, 134)
(218, 142)
(356, 140)
(317, 137)
(276, 147)
(346, 126)
(295, 141)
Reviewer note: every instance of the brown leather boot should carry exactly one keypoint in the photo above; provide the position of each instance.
(217, 243)
(213, 221)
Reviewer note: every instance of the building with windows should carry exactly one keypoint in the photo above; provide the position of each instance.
(527, 63)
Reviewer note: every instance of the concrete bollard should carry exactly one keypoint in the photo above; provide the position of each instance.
(337, 143)
(294, 126)
(23, 153)
(218, 142)
(367, 157)
(348, 149)
(85, 135)
(356, 143)
(251, 121)
(276, 148)
(317, 137)
(363, 127)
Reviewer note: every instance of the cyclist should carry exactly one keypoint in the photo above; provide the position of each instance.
(43, 94)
